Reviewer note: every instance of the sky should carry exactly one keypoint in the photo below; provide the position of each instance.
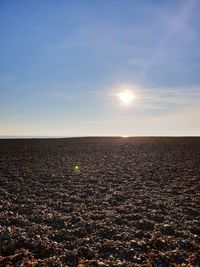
(63, 64)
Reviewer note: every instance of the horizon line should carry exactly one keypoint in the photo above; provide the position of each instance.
(3, 137)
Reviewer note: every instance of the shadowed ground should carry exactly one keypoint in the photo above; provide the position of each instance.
(100, 202)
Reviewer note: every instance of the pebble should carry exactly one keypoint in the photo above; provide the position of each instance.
(6, 233)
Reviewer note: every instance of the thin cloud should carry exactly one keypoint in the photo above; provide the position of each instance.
(148, 99)
(68, 91)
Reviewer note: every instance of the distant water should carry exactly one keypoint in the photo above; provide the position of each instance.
(29, 136)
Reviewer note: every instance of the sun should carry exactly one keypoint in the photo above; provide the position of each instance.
(126, 97)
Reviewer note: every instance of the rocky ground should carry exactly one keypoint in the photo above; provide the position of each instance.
(100, 202)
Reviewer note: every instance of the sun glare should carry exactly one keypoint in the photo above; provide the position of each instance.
(124, 136)
(126, 97)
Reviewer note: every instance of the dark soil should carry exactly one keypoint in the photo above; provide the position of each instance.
(100, 202)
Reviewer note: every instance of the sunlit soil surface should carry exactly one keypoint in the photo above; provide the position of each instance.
(100, 202)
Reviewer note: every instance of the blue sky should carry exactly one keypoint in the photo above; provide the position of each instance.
(62, 63)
